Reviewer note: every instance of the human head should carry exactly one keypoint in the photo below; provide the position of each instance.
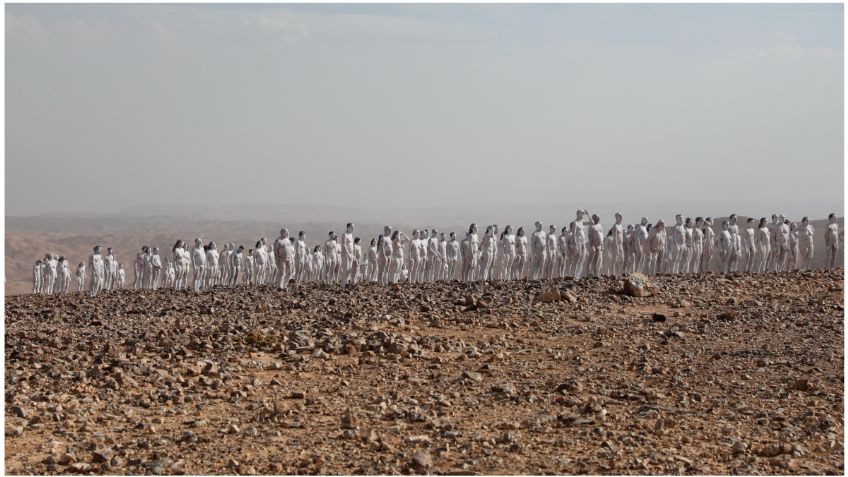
(725, 224)
(750, 221)
(630, 228)
(805, 220)
(109, 250)
(453, 235)
(472, 228)
(552, 229)
(387, 230)
(831, 218)
(316, 249)
(699, 221)
(155, 250)
(373, 242)
(520, 232)
(349, 227)
(618, 218)
(763, 222)
(595, 218)
(489, 230)
(644, 221)
(356, 241)
(394, 235)
(415, 233)
(97, 250)
(301, 235)
(538, 226)
(38, 262)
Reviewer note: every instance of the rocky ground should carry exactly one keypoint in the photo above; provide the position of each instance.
(708, 375)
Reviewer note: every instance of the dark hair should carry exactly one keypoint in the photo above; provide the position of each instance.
(349, 224)
(316, 249)
(380, 242)
(763, 222)
(520, 231)
(831, 215)
(750, 219)
(356, 240)
(471, 227)
(395, 234)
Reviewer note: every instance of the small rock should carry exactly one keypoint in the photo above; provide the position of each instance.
(19, 411)
(100, 456)
(658, 317)
(548, 296)
(472, 375)
(637, 285)
(422, 461)
(349, 421)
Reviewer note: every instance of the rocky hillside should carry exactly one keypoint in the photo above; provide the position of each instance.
(738, 374)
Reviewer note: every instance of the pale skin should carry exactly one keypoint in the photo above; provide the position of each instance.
(347, 257)
(656, 248)
(284, 256)
(831, 240)
(551, 264)
(596, 244)
(617, 256)
(384, 258)
(749, 243)
(805, 243)
(763, 236)
(488, 254)
(508, 251)
(538, 250)
(709, 240)
(453, 256)
(198, 262)
(95, 264)
(640, 245)
(521, 244)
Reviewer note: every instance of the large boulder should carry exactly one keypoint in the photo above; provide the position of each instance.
(638, 285)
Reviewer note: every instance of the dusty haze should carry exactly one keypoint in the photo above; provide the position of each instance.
(416, 106)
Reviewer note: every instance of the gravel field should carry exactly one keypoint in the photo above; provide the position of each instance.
(714, 374)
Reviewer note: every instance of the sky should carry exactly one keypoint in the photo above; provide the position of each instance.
(405, 107)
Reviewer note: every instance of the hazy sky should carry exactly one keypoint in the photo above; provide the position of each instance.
(114, 106)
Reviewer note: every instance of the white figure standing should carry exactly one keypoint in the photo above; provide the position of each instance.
(37, 276)
(831, 240)
(487, 256)
(284, 257)
(709, 242)
(80, 277)
(749, 244)
(805, 243)
(120, 277)
(596, 246)
(656, 248)
(95, 264)
(538, 252)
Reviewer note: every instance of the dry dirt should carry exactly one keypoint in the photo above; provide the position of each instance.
(709, 375)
